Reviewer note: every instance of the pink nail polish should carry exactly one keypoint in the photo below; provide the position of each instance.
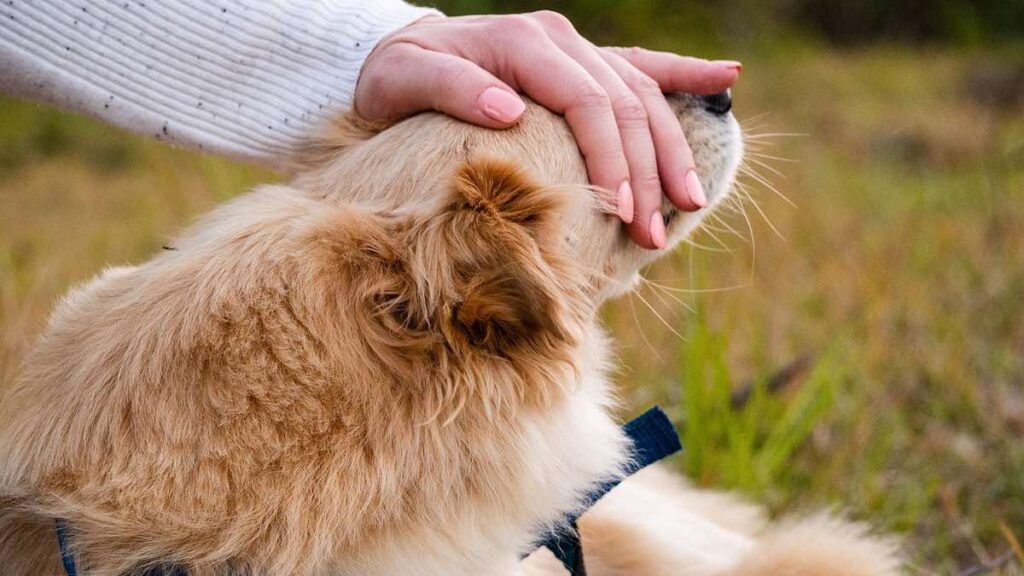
(624, 199)
(695, 190)
(500, 104)
(730, 64)
(657, 230)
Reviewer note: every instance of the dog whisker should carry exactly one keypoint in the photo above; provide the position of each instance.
(770, 157)
(754, 120)
(698, 290)
(699, 246)
(765, 165)
(749, 171)
(750, 229)
(659, 316)
(763, 135)
(640, 330)
(743, 190)
(729, 228)
(655, 288)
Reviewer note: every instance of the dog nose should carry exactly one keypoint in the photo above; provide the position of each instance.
(718, 104)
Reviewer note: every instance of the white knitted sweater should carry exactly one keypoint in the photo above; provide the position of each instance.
(243, 78)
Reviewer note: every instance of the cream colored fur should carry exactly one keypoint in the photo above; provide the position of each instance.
(392, 366)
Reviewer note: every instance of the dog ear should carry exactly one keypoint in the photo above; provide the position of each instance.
(491, 261)
(506, 305)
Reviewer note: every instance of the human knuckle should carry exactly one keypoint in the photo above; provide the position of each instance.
(374, 76)
(555, 21)
(519, 26)
(632, 52)
(630, 110)
(645, 85)
(647, 180)
(590, 96)
(391, 56)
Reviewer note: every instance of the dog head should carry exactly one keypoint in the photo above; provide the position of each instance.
(407, 167)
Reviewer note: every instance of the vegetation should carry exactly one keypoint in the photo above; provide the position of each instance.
(862, 350)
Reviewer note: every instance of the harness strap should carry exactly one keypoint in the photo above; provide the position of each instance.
(66, 557)
(653, 438)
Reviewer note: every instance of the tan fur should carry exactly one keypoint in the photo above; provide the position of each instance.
(656, 524)
(391, 366)
(820, 545)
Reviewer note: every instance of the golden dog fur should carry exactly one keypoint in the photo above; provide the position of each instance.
(392, 366)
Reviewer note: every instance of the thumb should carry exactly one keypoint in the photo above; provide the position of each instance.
(404, 79)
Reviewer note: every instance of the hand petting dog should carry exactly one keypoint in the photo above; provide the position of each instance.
(612, 98)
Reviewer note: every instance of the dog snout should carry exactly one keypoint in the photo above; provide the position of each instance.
(718, 104)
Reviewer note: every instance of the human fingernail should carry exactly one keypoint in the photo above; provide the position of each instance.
(624, 202)
(730, 64)
(500, 104)
(657, 230)
(695, 190)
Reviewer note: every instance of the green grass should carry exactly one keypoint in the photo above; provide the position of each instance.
(899, 275)
(749, 444)
(900, 272)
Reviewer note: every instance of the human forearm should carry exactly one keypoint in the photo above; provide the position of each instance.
(246, 79)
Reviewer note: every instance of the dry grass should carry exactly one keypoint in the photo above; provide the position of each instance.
(901, 274)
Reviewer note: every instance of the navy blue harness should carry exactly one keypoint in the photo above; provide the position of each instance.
(653, 437)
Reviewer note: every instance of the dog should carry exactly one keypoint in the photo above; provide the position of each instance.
(391, 366)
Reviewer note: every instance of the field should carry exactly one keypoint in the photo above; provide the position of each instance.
(858, 346)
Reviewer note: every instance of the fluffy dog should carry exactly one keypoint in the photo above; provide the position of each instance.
(392, 366)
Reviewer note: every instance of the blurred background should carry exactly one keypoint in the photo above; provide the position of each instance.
(852, 338)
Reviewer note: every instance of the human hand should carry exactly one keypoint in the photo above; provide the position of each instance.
(471, 68)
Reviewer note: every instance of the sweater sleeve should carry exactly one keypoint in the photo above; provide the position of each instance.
(246, 79)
